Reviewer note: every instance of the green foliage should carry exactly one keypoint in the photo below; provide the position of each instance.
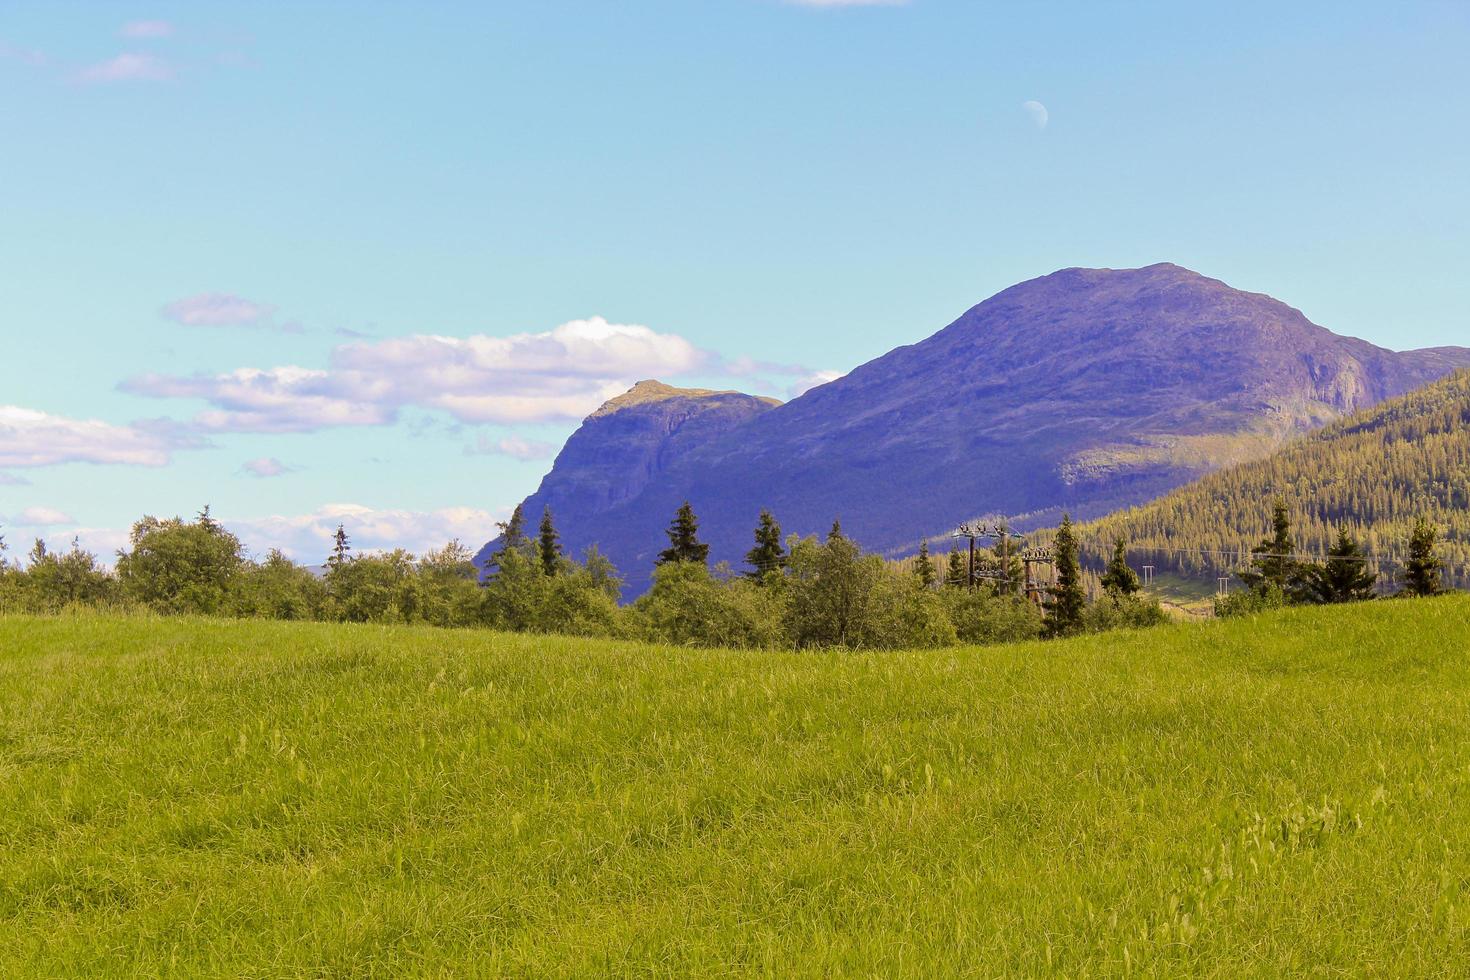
(1123, 612)
(1067, 600)
(689, 607)
(548, 544)
(768, 555)
(373, 589)
(1377, 474)
(174, 567)
(1264, 798)
(986, 617)
(1250, 602)
(1345, 577)
(1274, 565)
(956, 573)
(52, 581)
(684, 543)
(1424, 570)
(924, 567)
(1119, 580)
(577, 602)
(277, 588)
(839, 597)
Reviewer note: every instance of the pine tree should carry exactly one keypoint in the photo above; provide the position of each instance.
(1424, 570)
(207, 522)
(549, 545)
(1273, 562)
(955, 574)
(340, 548)
(923, 567)
(684, 543)
(512, 538)
(768, 555)
(513, 531)
(1120, 581)
(836, 534)
(1345, 577)
(1065, 601)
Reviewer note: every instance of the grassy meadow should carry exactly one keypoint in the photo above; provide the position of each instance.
(1282, 795)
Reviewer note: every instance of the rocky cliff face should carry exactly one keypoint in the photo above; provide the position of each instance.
(1085, 390)
(628, 443)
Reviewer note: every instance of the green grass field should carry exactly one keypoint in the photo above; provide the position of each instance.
(1289, 795)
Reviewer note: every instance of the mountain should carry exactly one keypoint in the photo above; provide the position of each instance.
(1376, 473)
(1085, 390)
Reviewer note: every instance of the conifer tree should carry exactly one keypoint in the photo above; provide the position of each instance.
(513, 531)
(1345, 577)
(768, 555)
(512, 538)
(923, 567)
(836, 534)
(684, 543)
(955, 573)
(1120, 581)
(1424, 572)
(207, 522)
(549, 544)
(1273, 561)
(1066, 600)
(340, 547)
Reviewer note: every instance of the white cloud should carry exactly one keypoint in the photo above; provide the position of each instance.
(147, 29)
(307, 538)
(512, 446)
(266, 467)
(284, 399)
(561, 374)
(812, 380)
(220, 310)
(42, 517)
(32, 438)
(128, 67)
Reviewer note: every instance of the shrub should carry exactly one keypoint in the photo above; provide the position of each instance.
(175, 567)
(688, 606)
(983, 617)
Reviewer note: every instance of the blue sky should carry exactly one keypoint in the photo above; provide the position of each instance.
(319, 261)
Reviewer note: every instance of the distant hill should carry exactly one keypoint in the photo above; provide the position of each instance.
(1086, 390)
(1375, 472)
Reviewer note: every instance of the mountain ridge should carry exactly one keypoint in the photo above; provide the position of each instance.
(1085, 390)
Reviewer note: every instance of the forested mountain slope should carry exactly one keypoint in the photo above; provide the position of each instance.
(1376, 472)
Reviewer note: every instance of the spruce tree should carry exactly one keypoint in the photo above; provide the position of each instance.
(1345, 577)
(923, 567)
(1424, 572)
(684, 543)
(768, 555)
(1066, 600)
(836, 533)
(549, 544)
(513, 531)
(1273, 562)
(207, 522)
(1120, 581)
(955, 573)
(341, 545)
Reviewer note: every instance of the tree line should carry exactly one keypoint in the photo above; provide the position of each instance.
(794, 592)
(1376, 475)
